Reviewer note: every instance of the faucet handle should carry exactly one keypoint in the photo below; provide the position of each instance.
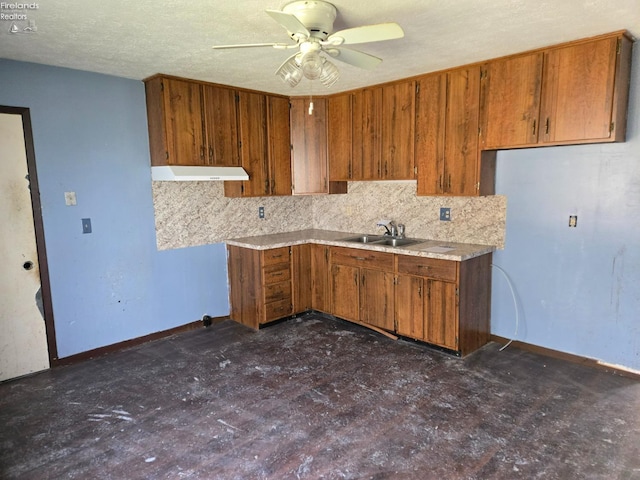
(401, 230)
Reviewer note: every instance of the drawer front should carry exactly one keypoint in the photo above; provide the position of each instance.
(277, 273)
(428, 267)
(362, 258)
(275, 255)
(275, 310)
(277, 291)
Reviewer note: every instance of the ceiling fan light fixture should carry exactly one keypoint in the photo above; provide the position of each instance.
(311, 65)
(330, 74)
(290, 73)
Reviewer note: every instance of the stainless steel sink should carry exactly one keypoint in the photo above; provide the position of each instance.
(382, 240)
(396, 242)
(364, 239)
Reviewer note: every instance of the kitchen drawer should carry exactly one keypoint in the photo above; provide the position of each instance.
(277, 291)
(275, 255)
(277, 273)
(362, 258)
(445, 270)
(275, 310)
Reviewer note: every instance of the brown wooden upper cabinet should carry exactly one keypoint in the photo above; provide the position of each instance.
(264, 146)
(447, 113)
(191, 123)
(382, 133)
(576, 93)
(309, 146)
(339, 136)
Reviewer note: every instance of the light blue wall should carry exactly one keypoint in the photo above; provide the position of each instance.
(90, 137)
(578, 288)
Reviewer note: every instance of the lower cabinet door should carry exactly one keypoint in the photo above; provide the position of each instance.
(344, 292)
(410, 307)
(441, 314)
(376, 298)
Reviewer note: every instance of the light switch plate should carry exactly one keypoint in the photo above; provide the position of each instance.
(445, 214)
(70, 198)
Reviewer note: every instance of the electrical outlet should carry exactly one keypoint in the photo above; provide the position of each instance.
(573, 220)
(86, 225)
(260, 212)
(445, 214)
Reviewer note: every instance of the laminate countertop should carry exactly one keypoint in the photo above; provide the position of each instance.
(422, 248)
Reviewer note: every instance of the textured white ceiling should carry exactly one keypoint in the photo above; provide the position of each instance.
(138, 38)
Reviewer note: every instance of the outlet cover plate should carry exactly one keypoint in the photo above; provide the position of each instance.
(445, 214)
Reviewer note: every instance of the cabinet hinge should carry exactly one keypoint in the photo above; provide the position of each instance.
(618, 46)
(478, 186)
(457, 292)
(417, 87)
(241, 188)
(415, 170)
(162, 83)
(612, 127)
(167, 154)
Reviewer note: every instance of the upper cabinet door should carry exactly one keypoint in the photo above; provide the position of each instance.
(185, 141)
(309, 144)
(339, 136)
(397, 136)
(253, 140)
(431, 107)
(511, 101)
(367, 114)
(278, 139)
(460, 175)
(578, 92)
(221, 126)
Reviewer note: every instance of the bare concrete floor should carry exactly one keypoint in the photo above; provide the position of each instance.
(316, 398)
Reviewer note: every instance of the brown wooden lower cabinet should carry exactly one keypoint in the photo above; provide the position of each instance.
(441, 302)
(320, 287)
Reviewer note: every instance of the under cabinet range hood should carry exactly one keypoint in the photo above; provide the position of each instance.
(182, 173)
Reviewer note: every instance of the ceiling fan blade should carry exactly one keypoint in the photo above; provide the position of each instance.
(355, 58)
(367, 33)
(289, 22)
(251, 45)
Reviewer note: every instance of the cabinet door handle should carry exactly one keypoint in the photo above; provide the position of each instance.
(278, 274)
(363, 280)
(449, 187)
(546, 127)
(202, 152)
(211, 155)
(428, 267)
(355, 278)
(276, 256)
(533, 132)
(360, 258)
(419, 292)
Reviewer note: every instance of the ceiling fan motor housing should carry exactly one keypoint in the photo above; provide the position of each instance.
(317, 16)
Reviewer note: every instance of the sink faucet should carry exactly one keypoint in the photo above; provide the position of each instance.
(393, 230)
(389, 226)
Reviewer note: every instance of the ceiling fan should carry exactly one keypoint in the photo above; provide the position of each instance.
(310, 24)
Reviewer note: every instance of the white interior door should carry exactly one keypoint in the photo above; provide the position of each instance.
(23, 339)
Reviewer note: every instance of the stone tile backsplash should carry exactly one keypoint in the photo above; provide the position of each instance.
(197, 213)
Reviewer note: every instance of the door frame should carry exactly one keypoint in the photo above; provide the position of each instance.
(36, 207)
